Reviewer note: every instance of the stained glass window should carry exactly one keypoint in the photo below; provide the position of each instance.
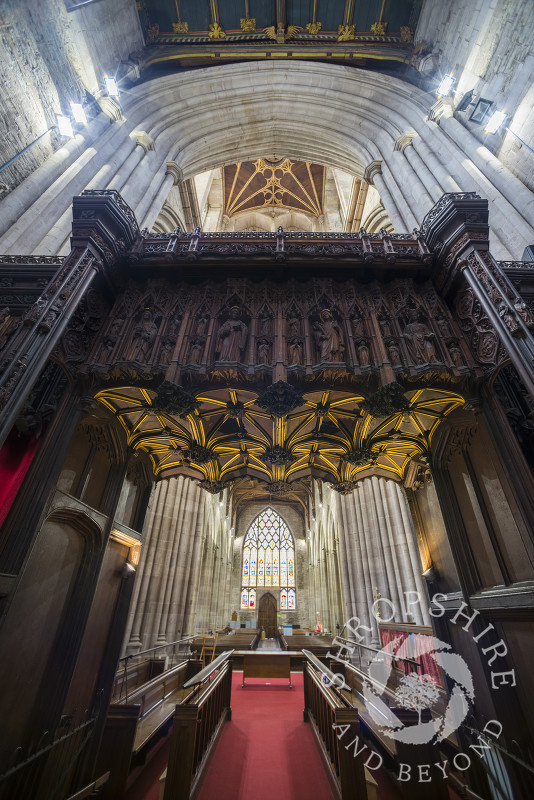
(268, 559)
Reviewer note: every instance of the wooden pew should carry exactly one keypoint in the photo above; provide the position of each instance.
(132, 729)
(134, 675)
(325, 708)
(241, 639)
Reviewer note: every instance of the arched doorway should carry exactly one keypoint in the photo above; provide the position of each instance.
(267, 615)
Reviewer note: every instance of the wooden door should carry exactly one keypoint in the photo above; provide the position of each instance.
(267, 616)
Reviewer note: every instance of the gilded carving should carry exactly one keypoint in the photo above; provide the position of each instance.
(216, 32)
(379, 28)
(346, 33)
(279, 399)
(248, 25)
(387, 400)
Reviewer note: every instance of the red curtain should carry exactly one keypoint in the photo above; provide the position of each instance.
(15, 458)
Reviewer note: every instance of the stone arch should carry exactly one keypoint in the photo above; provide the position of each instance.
(352, 123)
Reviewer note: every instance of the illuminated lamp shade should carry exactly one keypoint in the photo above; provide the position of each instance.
(64, 126)
(445, 86)
(111, 86)
(495, 122)
(78, 113)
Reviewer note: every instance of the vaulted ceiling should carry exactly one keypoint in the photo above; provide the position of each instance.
(281, 436)
(274, 182)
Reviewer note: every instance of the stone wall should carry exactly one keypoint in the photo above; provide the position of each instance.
(487, 44)
(49, 57)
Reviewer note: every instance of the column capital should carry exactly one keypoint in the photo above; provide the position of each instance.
(176, 171)
(404, 141)
(374, 168)
(443, 107)
(110, 108)
(144, 141)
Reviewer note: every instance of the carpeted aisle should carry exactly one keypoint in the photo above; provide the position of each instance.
(266, 750)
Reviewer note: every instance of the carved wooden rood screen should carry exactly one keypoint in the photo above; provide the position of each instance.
(267, 358)
(273, 355)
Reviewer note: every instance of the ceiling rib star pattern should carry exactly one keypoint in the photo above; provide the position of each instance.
(328, 435)
(275, 183)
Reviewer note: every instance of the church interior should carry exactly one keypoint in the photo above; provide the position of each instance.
(267, 399)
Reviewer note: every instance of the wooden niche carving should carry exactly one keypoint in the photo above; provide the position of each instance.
(328, 336)
(232, 337)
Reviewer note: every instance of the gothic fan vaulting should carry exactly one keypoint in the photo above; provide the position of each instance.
(232, 433)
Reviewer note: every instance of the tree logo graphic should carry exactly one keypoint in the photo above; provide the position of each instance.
(419, 692)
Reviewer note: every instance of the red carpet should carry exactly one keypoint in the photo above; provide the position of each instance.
(267, 750)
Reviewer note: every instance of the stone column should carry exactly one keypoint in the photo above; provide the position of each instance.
(380, 541)
(173, 176)
(373, 176)
(158, 607)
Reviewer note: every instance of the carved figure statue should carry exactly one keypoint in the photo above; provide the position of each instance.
(197, 348)
(264, 320)
(329, 338)
(385, 327)
(294, 349)
(443, 326)
(419, 339)
(8, 323)
(232, 337)
(293, 324)
(202, 323)
(144, 335)
(456, 354)
(363, 354)
(166, 351)
(110, 339)
(357, 324)
(394, 354)
(264, 351)
(174, 327)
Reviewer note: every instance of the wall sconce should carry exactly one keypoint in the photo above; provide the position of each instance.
(495, 121)
(111, 86)
(127, 569)
(64, 126)
(445, 86)
(430, 574)
(78, 113)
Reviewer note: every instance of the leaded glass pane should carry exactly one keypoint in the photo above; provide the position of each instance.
(268, 555)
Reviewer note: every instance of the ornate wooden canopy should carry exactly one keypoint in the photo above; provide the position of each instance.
(280, 436)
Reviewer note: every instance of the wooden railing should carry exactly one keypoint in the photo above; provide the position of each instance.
(132, 728)
(325, 709)
(196, 726)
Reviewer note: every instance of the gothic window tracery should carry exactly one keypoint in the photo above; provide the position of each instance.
(268, 560)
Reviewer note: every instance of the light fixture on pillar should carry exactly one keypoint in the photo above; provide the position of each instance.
(495, 121)
(78, 113)
(64, 126)
(445, 86)
(111, 86)
(430, 574)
